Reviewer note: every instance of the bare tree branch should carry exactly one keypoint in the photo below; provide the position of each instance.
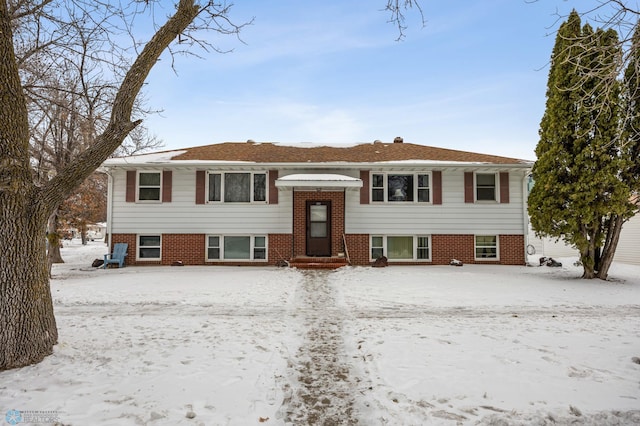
(397, 9)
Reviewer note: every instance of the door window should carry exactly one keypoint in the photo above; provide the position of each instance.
(318, 217)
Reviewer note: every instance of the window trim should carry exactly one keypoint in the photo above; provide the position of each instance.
(252, 248)
(496, 187)
(385, 187)
(252, 194)
(371, 246)
(415, 247)
(138, 186)
(475, 248)
(207, 247)
(138, 246)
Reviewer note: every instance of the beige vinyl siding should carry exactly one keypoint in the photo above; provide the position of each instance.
(549, 247)
(454, 216)
(182, 215)
(628, 250)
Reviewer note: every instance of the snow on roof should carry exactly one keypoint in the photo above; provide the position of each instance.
(318, 177)
(154, 157)
(325, 180)
(307, 153)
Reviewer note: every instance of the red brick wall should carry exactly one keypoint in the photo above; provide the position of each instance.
(279, 247)
(462, 247)
(447, 247)
(444, 248)
(358, 245)
(512, 250)
(190, 248)
(300, 219)
(130, 239)
(186, 248)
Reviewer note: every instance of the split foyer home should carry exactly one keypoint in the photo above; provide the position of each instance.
(256, 203)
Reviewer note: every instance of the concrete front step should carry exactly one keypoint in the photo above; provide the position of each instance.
(305, 262)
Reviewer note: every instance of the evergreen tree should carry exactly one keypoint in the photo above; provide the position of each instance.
(579, 195)
(631, 97)
(551, 171)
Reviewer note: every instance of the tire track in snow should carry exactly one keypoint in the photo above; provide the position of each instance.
(320, 388)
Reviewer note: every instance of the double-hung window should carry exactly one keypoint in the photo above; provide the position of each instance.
(486, 247)
(377, 247)
(424, 189)
(236, 247)
(149, 247)
(423, 248)
(213, 247)
(149, 184)
(486, 187)
(377, 187)
(234, 187)
(401, 187)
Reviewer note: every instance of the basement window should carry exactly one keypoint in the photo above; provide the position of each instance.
(486, 247)
(236, 247)
(149, 247)
(401, 247)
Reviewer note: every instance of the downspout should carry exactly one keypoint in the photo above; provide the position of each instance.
(293, 223)
(344, 220)
(109, 207)
(525, 215)
(344, 226)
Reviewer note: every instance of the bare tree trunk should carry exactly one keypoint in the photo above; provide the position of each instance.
(83, 233)
(54, 238)
(27, 323)
(611, 243)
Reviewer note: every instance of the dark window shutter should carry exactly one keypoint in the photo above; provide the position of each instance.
(167, 177)
(364, 191)
(200, 186)
(468, 187)
(273, 191)
(130, 196)
(504, 187)
(437, 187)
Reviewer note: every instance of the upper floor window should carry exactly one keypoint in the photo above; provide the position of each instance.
(486, 187)
(392, 187)
(232, 187)
(149, 184)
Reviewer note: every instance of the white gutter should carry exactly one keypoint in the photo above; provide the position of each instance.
(316, 165)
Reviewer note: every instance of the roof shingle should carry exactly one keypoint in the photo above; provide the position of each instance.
(363, 153)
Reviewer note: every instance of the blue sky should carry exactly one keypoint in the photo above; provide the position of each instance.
(474, 78)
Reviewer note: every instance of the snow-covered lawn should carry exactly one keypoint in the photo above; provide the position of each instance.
(477, 344)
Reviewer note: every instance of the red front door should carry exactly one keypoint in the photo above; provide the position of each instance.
(318, 228)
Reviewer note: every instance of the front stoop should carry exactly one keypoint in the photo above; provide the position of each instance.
(306, 262)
